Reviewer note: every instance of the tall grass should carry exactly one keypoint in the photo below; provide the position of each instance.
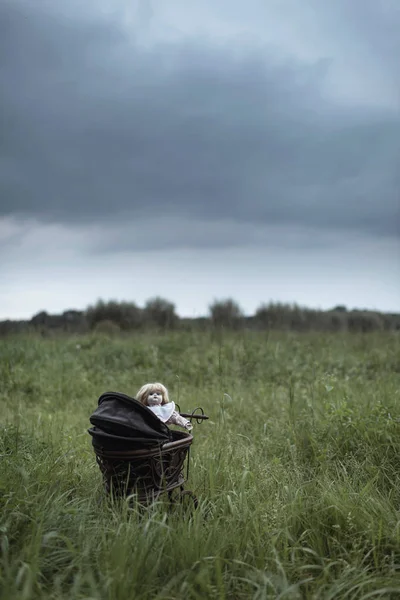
(297, 470)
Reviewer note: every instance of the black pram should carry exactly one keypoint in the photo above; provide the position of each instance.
(136, 452)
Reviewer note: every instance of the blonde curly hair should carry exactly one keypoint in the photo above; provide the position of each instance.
(149, 388)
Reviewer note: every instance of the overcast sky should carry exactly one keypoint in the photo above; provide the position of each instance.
(199, 150)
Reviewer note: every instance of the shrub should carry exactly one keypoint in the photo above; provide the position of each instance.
(160, 313)
(107, 327)
(226, 313)
(364, 321)
(336, 320)
(274, 315)
(124, 314)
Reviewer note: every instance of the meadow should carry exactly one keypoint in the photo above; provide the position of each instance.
(297, 470)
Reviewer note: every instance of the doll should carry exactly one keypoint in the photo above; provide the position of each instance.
(155, 397)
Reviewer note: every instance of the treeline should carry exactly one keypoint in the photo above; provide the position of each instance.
(113, 317)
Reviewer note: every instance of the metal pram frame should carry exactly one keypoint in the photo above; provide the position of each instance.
(145, 472)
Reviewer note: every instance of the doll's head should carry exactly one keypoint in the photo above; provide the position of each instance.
(153, 394)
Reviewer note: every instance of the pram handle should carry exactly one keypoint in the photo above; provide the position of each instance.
(192, 416)
(197, 413)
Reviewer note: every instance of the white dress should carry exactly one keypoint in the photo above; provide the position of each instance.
(163, 411)
(167, 414)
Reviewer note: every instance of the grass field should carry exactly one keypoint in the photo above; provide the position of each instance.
(297, 470)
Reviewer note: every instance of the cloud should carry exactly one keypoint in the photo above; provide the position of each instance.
(19, 238)
(100, 129)
(57, 267)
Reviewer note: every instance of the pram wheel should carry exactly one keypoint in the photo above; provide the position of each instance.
(186, 498)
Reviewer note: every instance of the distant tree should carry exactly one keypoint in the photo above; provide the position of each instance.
(226, 313)
(43, 321)
(340, 308)
(9, 327)
(160, 313)
(391, 322)
(274, 315)
(336, 320)
(288, 316)
(40, 319)
(359, 321)
(124, 314)
(74, 321)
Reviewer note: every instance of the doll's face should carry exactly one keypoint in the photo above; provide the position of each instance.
(154, 399)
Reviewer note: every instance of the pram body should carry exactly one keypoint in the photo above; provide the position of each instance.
(137, 453)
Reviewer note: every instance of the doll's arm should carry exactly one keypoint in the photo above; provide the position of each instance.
(177, 419)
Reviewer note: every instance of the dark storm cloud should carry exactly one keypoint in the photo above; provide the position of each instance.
(375, 29)
(96, 128)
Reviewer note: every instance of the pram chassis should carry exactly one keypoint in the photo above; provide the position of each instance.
(146, 473)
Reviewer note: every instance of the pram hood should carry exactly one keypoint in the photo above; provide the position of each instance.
(119, 419)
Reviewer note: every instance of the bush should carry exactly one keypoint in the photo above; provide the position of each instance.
(226, 313)
(336, 320)
(107, 327)
(274, 316)
(160, 313)
(124, 314)
(295, 318)
(364, 321)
